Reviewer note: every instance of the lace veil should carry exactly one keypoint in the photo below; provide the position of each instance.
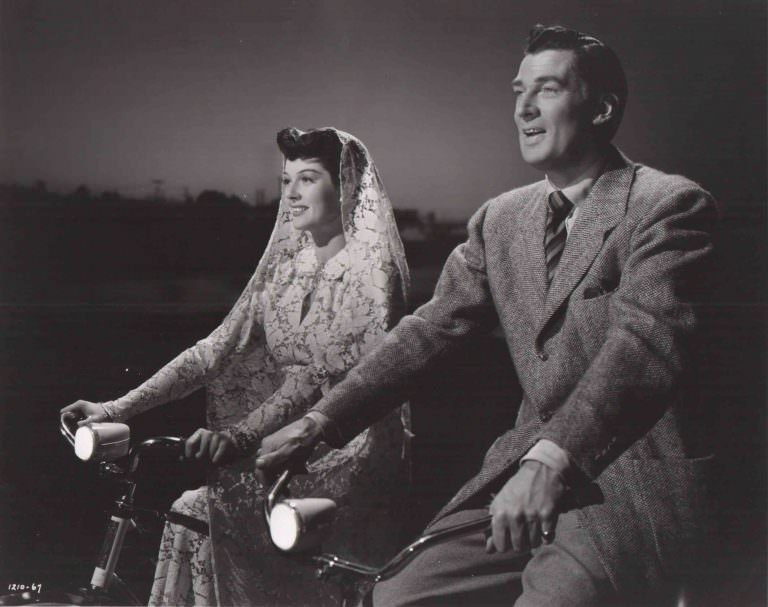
(370, 470)
(367, 217)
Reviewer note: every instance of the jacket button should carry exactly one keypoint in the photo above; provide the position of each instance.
(546, 416)
(542, 355)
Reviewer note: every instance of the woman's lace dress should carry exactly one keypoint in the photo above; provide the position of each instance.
(296, 330)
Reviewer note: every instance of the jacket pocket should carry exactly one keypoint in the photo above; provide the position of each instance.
(602, 288)
(591, 318)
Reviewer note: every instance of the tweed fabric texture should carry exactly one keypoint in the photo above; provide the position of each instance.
(601, 354)
(457, 573)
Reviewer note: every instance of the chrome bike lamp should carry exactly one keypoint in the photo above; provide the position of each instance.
(301, 524)
(297, 525)
(100, 441)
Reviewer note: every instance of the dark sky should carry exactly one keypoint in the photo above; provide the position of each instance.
(115, 94)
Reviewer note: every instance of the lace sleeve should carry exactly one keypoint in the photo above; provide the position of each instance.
(363, 318)
(192, 368)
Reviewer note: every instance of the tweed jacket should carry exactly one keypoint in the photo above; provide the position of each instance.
(602, 356)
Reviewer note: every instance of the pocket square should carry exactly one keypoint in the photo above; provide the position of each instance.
(592, 291)
(604, 287)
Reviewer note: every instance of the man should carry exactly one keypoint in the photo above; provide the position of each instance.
(597, 493)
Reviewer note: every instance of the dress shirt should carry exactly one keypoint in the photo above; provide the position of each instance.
(545, 451)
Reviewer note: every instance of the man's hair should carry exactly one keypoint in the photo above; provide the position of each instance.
(323, 144)
(596, 64)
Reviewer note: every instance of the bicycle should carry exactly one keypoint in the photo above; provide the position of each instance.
(106, 443)
(296, 526)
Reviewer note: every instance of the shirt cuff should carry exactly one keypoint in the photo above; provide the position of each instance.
(330, 431)
(549, 454)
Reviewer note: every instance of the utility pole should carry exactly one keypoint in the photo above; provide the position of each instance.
(158, 193)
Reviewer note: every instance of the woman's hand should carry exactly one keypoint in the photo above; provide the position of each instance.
(90, 412)
(216, 447)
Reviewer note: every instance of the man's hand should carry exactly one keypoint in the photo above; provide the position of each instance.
(525, 507)
(216, 447)
(289, 445)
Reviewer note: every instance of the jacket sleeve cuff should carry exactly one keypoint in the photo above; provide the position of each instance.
(551, 455)
(330, 431)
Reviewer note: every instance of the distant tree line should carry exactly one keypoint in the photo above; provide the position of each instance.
(82, 236)
(85, 237)
(18, 194)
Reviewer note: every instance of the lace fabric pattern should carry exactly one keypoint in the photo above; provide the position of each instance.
(266, 365)
(184, 573)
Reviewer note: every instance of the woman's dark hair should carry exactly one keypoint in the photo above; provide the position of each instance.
(323, 144)
(596, 64)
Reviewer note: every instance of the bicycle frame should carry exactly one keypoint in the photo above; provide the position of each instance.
(122, 516)
(329, 564)
(344, 572)
(349, 573)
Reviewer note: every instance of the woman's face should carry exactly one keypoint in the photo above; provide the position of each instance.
(312, 198)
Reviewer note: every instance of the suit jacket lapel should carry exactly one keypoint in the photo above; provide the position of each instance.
(605, 206)
(533, 242)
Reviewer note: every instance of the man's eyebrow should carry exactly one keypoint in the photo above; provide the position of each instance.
(550, 79)
(540, 80)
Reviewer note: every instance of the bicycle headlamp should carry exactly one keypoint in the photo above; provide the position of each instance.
(102, 442)
(296, 525)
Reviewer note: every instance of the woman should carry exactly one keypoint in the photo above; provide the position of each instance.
(331, 282)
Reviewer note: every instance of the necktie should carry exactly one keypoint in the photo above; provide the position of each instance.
(559, 207)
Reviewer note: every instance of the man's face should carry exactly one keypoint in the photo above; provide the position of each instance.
(552, 112)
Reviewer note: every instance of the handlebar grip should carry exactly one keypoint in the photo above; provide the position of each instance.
(169, 443)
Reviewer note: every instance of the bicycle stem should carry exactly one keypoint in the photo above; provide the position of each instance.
(122, 516)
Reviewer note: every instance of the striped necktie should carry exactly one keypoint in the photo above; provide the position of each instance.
(558, 209)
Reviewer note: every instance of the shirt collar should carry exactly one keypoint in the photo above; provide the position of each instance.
(306, 263)
(578, 191)
(335, 267)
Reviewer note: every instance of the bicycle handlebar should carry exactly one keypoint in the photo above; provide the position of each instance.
(65, 429)
(69, 429)
(329, 563)
(168, 443)
(278, 487)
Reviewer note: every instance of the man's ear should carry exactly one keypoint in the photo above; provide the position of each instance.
(606, 109)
